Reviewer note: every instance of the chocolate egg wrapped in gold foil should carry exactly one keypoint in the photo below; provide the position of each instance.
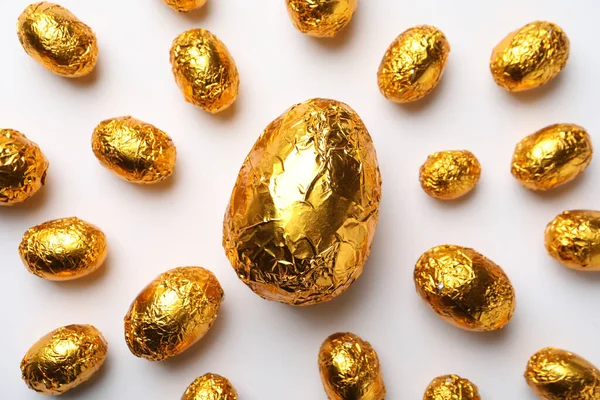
(64, 359)
(172, 313)
(210, 387)
(450, 174)
(184, 5)
(350, 369)
(304, 209)
(552, 156)
(556, 374)
(23, 168)
(413, 64)
(204, 70)
(58, 40)
(321, 18)
(465, 288)
(134, 150)
(451, 387)
(530, 57)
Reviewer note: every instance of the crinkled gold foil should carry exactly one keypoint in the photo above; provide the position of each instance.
(350, 369)
(413, 64)
(172, 313)
(134, 150)
(204, 70)
(321, 18)
(184, 5)
(58, 40)
(556, 374)
(450, 174)
(465, 288)
(210, 387)
(451, 387)
(530, 57)
(552, 156)
(304, 209)
(63, 359)
(23, 168)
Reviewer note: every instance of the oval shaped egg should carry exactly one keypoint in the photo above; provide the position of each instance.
(451, 387)
(134, 150)
(413, 64)
(304, 209)
(172, 313)
(464, 288)
(350, 369)
(57, 40)
(555, 374)
(184, 5)
(552, 156)
(63, 359)
(23, 168)
(204, 70)
(210, 387)
(450, 174)
(530, 57)
(321, 18)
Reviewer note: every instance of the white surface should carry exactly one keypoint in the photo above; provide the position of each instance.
(269, 350)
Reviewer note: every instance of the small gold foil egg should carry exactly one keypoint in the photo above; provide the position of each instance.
(451, 387)
(23, 168)
(204, 70)
(464, 288)
(350, 369)
(210, 387)
(63, 359)
(58, 40)
(450, 174)
(552, 156)
(321, 18)
(134, 150)
(530, 57)
(172, 313)
(63, 249)
(413, 64)
(556, 374)
(184, 5)
(304, 209)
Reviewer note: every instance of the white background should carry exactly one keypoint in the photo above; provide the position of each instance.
(269, 350)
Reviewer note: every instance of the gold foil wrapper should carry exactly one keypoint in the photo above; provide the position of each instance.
(321, 18)
(451, 387)
(172, 313)
(450, 174)
(556, 374)
(350, 369)
(530, 57)
(204, 70)
(63, 359)
(464, 288)
(56, 39)
(184, 5)
(23, 168)
(210, 387)
(304, 209)
(413, 64)
(552, 156)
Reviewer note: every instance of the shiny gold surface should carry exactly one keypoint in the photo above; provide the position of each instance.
(172, 313)
(465, 288)
(134, 150)
(22, 168)
(451, 387)
(556, 374)
(530, 57)
(552, 156)
(304, 209)
(321, 18)
(184, 5)
(413, 64)
(63, 249)
(350, 369)
(450, 174)
(58, 40)
(204, 70)
(63, 359)
(210, 387)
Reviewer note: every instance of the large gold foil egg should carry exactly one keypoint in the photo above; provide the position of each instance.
(530, 57)
(321, 18)
(350, 369)
(451, 387)
(556, 374)
(172, 313)
(58, 40)
(184, 5)
(304, 209)
(450, 174)
(204, 70)
(552, 156)
(413, 64)
(134, 150)
(63, 359)
(210, 387)
(464, 288)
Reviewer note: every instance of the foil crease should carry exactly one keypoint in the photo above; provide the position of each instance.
(450, 174)
(321, 18)
(184, 5)
(451, 387)
(210, 387)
